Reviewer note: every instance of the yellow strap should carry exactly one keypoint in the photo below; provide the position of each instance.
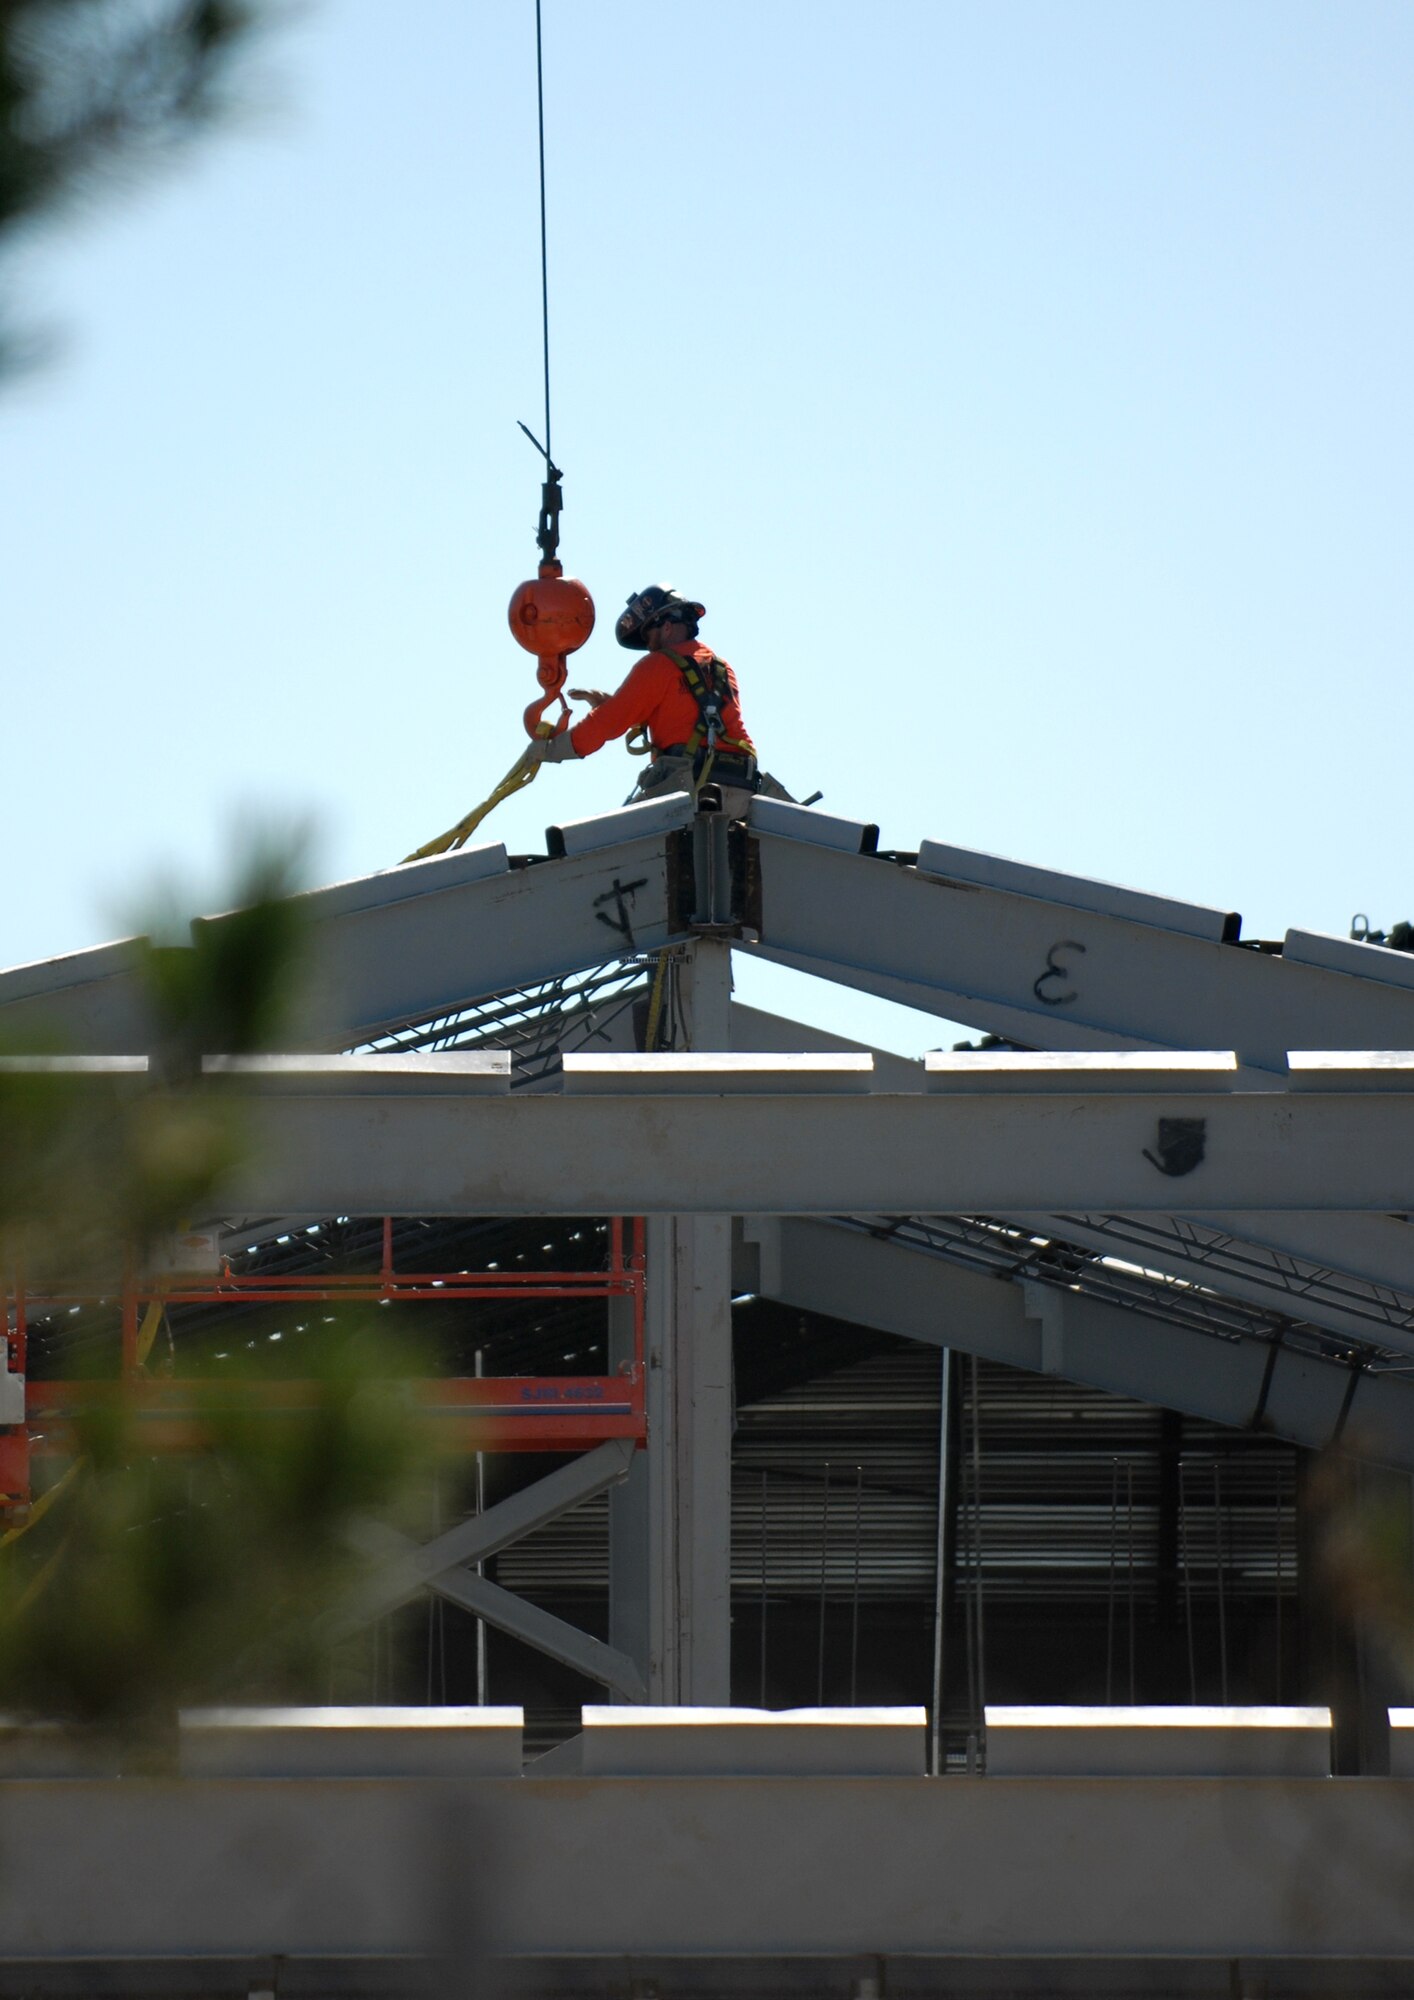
(40, 1580)
(147, 1332)
(41, 1506)
(522, 773)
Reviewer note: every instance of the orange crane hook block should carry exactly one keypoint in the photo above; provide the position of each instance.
(551, 615)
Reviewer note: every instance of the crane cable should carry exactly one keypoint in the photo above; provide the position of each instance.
(544, 254)
(527, 766)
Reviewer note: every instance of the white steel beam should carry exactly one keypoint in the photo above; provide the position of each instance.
(398, 957)
(1051, 960)
(689, 1388)
(758, 1885)
(683, 1152)
(1057, 962)
(404, 945)
(717, 1140)
(845, 1273)
(1351, 1273)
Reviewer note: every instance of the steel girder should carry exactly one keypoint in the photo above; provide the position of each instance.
(388, 949)
(671, 1151)
(541, 1630)
(1050, 960)
(1353, 1274)
(843, 1271)
(1056, 962)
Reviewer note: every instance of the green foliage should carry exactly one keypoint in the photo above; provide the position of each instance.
(232, 988)
(1363, 1551)
(156, 1582)
(96, 1169)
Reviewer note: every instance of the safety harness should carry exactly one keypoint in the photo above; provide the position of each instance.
(707, 683)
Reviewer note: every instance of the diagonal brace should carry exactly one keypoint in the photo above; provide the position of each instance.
(484, 1535)
(543, 1631)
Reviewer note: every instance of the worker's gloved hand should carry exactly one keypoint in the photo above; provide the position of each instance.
(594, 696)
(552, 749)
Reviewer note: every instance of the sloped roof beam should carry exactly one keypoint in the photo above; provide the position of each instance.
(1057, 962)
(844, 1273)
(384, 950)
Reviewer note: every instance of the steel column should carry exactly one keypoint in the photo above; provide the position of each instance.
(690, 1413)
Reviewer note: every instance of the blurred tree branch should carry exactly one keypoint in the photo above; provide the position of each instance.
(95, 92)
(159, 1578)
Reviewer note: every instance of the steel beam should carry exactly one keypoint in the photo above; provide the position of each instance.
(1051, 960)
(678, 1151)
(404, 945)
(844, 1272)
(542, 1631)
(690, 1424)
(376, 968)
(1057, 962)
(687, 1535)
(411, 1567)
(1351, 1273)
(760, 1885)
(706, 1136)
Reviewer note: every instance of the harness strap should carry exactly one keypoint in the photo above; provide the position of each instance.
(711, 691)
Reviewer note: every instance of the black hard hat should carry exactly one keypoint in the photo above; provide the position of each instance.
(653, 606)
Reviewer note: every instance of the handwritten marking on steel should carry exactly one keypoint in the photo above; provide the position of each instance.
(620, 895)
(1056, 970)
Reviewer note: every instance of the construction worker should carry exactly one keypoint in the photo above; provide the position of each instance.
(682, 696)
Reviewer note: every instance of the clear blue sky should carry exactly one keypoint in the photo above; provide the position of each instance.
(1025, 388)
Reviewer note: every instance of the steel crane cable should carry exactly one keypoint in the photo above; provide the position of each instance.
(544, 253)
(526, 767)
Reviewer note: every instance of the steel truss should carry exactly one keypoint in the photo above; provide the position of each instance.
(1209, 1253)
(482, 950)
(1016, 1252)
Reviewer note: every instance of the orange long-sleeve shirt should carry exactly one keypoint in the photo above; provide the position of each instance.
(655, 695)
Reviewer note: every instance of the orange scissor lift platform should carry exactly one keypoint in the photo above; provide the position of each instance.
(513, 1413)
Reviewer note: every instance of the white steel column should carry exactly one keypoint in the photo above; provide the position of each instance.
(690, 1408)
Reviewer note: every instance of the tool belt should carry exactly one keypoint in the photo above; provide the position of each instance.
(729, 767)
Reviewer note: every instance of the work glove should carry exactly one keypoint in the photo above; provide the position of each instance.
(552, 749)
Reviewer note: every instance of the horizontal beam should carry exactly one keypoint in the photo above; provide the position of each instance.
(823, 1154)
(550, 1413)
(1017, 1885)
(1351, 1273)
